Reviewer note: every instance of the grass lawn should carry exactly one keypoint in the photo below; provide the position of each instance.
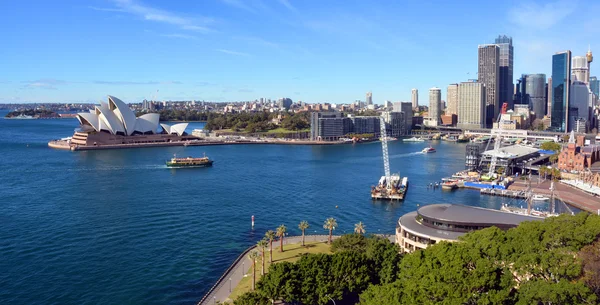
(291, 253)
(283, 130)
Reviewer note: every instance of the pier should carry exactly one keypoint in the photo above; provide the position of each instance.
(504, 193)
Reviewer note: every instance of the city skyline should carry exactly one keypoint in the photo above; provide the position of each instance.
(233, 50)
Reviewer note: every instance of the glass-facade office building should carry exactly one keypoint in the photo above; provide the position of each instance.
(505, 86)
(561, 81)
(535, 91)
(595, 85)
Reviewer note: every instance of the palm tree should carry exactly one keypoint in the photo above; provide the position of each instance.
(262, 244)
(281, 233)
(330, 224)
(252, 256)
(270, 236)
(303, 226)
(359, 228)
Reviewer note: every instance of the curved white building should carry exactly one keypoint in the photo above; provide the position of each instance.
(116, 118)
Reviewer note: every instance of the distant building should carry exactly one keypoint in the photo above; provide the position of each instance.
(535, 91)
(471, 113)
(595, 85)
(434, 223)
(317, 129)
(561, 80)
(489, 75)
(284, 103)
(579, 69)
(398, 123)
(452, 98)
(449, 119)
(414, 98)
(549, 98)
(579, 104)
(505, 85)
(369, 98)
(435, 100)
(365, 125)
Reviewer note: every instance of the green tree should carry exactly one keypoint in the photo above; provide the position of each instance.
(280, 283)
(303, 226)
(281, 234)
(389, 294)
(251, 298)
(551, 146)
(262, 244)
(330, 224)
(350, 242)
(359, 228)
(270, 236)
(253, 255)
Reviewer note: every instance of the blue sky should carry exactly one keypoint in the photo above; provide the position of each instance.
(309, 50)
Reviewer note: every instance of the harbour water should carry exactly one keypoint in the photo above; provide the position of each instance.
(118, 227)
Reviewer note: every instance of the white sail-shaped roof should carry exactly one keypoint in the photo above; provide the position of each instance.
(109, 118)
(116, 117)
(147, 122)
(122, 111)
(90, 119)
(179, 129)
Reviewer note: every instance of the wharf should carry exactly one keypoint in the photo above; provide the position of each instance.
(565, 193)
(504, 193)
(379, 196)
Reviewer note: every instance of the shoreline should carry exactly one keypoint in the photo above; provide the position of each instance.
(65, 145)
(220, 292)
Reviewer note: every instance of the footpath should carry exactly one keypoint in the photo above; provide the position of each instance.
(220, 291)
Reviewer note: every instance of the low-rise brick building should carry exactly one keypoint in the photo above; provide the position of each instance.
(577, 157)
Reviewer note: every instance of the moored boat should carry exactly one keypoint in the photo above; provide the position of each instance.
(449, 185)
(539, 198)
(413, 139)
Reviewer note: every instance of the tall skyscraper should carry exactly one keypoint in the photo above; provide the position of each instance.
(369, 98)
(489, 74)
(579, 68)
(579, 105)
(435, 101)
(535, 90)
(595, 85)
(505, 88)
(471, 113)
(452, 99)
(561, 81)
(414, 98)
(549, 97)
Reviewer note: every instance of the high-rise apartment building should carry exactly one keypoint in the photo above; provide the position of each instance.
(561, 81)
(535, 91)
(414, 98)
(369, 99)
(452, 99)
(505, 86)
(488, 72)
(472, 110)
(435, 103)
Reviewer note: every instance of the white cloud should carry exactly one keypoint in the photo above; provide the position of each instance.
(47, 83)
(158, 15)
(239, 4)
(530, 15)
(230, 52)
(287, 4)
(182, 36)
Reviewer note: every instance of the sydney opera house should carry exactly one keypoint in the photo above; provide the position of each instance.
(114, 125)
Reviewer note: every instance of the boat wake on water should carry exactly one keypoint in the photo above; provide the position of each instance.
(406, 155)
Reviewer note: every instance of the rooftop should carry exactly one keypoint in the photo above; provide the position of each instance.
(457, 213)
(513, 151)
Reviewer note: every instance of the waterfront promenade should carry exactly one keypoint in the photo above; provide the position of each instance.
(221, 290)
(566, 193)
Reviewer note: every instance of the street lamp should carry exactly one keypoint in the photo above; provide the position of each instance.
(330, 299)
(215, 299)
(229, 285)
(243, 268)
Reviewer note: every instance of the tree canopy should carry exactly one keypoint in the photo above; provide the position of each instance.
(551, 146)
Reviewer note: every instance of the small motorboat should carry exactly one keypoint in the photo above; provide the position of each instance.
(449, 185)
(539, 198)
(428, 150)
(413, 139)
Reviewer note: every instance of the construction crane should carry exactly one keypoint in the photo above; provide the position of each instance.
(386, 158)
(497, 145)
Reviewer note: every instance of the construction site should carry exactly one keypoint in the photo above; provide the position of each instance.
(390, 186)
